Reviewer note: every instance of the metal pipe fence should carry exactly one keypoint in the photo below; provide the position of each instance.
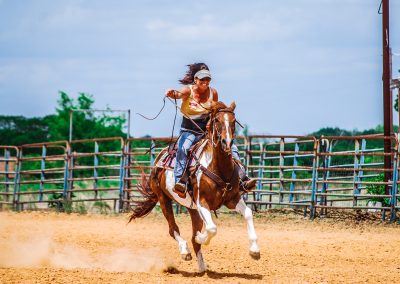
(284, 167)
(96, 173)
(41, 177)
(8, 175)
(315, 175)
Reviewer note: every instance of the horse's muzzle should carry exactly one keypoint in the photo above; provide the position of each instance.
(227, 145)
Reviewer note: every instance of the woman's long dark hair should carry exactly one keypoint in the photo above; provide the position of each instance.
(192, 69)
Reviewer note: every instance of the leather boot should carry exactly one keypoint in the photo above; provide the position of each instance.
(180, 189)
(246, 183)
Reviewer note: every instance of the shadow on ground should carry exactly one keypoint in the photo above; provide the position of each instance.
(214, 274)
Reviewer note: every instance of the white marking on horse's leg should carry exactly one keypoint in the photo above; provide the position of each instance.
(183, 247)
(200, 262)
(201, 238)
(211, 228)
(248, 216)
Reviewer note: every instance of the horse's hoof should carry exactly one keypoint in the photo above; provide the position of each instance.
(200, 238)
(186, 257)
(255, 255)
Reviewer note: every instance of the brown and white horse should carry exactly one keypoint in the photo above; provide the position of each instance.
(215, 183)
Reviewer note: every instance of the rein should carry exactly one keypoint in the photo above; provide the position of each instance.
(176, 108)
(173, 127)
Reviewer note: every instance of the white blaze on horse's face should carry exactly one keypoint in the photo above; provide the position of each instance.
(226, 129)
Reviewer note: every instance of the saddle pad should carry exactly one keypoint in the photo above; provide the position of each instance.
(168, 158)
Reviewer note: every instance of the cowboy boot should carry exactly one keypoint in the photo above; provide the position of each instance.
(180, 189)
(246, 183)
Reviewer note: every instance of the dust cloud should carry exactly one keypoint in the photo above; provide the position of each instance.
(45, 252)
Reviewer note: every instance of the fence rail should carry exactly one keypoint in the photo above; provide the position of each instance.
(317, 175)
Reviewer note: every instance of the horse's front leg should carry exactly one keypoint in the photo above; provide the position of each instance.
(248, 216)
(210, 231)
(197, 225)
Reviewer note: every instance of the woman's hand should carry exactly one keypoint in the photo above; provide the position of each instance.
(179, 95)
(170, 93)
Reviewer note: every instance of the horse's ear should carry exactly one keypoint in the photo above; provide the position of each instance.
(232, 106)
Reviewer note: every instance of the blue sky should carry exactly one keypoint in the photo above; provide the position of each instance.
(291, 66)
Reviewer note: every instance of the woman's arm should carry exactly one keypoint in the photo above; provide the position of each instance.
(181, 94)
(215, 95)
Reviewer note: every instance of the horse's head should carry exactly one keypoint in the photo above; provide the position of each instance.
(222, 125)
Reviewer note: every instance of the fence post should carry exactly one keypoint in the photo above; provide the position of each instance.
(293, 184)
(66, 172)
(326, 173)
(260, 172)
(393, 202)
(95, 172)
(17, 180)
(70, 183)
(247, 140)
(313, 179)
(122, 177)
(42, 168)
(361, 164)
(281, 168)
(6, 168)
(355, 173)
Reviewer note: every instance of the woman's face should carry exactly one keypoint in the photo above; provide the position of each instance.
(202, 84)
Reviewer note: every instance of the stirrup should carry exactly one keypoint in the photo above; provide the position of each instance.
(180, 189)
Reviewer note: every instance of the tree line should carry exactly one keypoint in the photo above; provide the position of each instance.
(19, 130)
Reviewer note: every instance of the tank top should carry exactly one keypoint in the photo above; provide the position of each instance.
(191, 108)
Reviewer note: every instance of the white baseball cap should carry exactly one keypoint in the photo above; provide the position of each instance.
(203, 73)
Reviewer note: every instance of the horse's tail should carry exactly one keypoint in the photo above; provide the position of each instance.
(142, 208)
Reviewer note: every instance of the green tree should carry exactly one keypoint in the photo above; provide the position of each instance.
(18, 130)
(85, 124)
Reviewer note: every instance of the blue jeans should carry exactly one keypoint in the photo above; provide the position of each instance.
(186, 140)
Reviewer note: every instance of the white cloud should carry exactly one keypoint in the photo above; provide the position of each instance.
(210, 27)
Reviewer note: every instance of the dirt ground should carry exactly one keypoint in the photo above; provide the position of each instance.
(44, 247)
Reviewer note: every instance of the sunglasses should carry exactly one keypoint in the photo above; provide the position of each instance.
(205, 79)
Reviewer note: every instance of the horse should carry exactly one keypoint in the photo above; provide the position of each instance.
(215, 182)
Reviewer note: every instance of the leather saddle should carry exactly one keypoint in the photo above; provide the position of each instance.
(168, 158)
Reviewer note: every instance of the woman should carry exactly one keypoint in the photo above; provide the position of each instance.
(197, 97)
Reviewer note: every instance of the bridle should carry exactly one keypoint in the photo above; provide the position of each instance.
(214, 129)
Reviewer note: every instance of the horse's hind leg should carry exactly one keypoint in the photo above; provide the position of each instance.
(166, 207)
(197, 225)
